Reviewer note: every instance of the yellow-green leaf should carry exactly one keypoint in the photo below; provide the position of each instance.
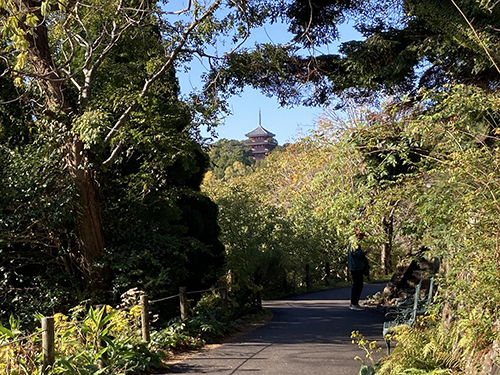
(31, 20)
(44, 8)
(22, 59)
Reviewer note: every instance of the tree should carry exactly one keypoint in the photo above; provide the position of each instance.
(286, 215)
(35, 213)
(224, 153)
(427, 162)
(93, 73)
(407, 45)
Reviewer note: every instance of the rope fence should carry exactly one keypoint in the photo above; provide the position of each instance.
(24, 338)
(177, 295)
(202, 291)
(48, 331)
(164, 299)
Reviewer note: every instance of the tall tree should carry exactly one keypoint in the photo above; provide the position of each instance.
(406, 45)
(73, 61)
(224, 153)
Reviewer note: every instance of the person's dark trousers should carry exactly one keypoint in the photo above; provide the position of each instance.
(357, 286)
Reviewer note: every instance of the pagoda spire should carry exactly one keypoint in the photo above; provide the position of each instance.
(260, 140)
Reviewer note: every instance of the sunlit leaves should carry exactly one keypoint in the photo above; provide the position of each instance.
(91, 125)
(104, 122)
(225, 153)
(10, 29)
(454, 195)
(21, 60)
(31, 20)
(44, 8)
(297, 193)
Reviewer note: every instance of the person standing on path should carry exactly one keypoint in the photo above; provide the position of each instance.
(357, 263)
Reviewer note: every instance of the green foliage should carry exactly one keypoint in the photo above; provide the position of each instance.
(225, 153)
(206, 321)
(37, 209)
(176, 336)
(316, 22)
(279, 71)
(453, 213)
(104, 341)
(389, 155)
(157, 227)
(426, 31)
(405, 45)
(433, 166)
(108, 341)
(428, 160)
(12, 112)
(426, 348)
(161, 233)
(19, 354)
(257, 242)
(288, 221)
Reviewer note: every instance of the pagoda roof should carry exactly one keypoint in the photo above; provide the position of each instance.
(259, 132)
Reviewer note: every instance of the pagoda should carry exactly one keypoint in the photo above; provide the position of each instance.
(260, 141)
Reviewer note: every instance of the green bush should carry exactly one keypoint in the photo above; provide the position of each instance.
(99, 343)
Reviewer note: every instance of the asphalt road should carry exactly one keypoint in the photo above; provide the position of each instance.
(309, 334)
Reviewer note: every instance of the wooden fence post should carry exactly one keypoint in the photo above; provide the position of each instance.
(145, 318)
(183, 302)
(48, 342)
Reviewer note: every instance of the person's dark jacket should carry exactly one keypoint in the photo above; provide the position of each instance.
(356, 258)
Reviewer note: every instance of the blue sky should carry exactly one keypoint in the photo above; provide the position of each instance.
(287, 123)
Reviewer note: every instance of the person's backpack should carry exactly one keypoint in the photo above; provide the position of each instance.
(366, 266)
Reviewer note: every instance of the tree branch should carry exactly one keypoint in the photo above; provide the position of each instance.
(113, 155)
(483, 45)
(149, 82)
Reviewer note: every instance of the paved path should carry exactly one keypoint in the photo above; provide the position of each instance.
(309, 334)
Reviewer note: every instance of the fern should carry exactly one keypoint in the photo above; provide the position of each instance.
(425, 348)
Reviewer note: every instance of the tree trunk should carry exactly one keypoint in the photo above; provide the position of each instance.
(41, 58)
(88, 224)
